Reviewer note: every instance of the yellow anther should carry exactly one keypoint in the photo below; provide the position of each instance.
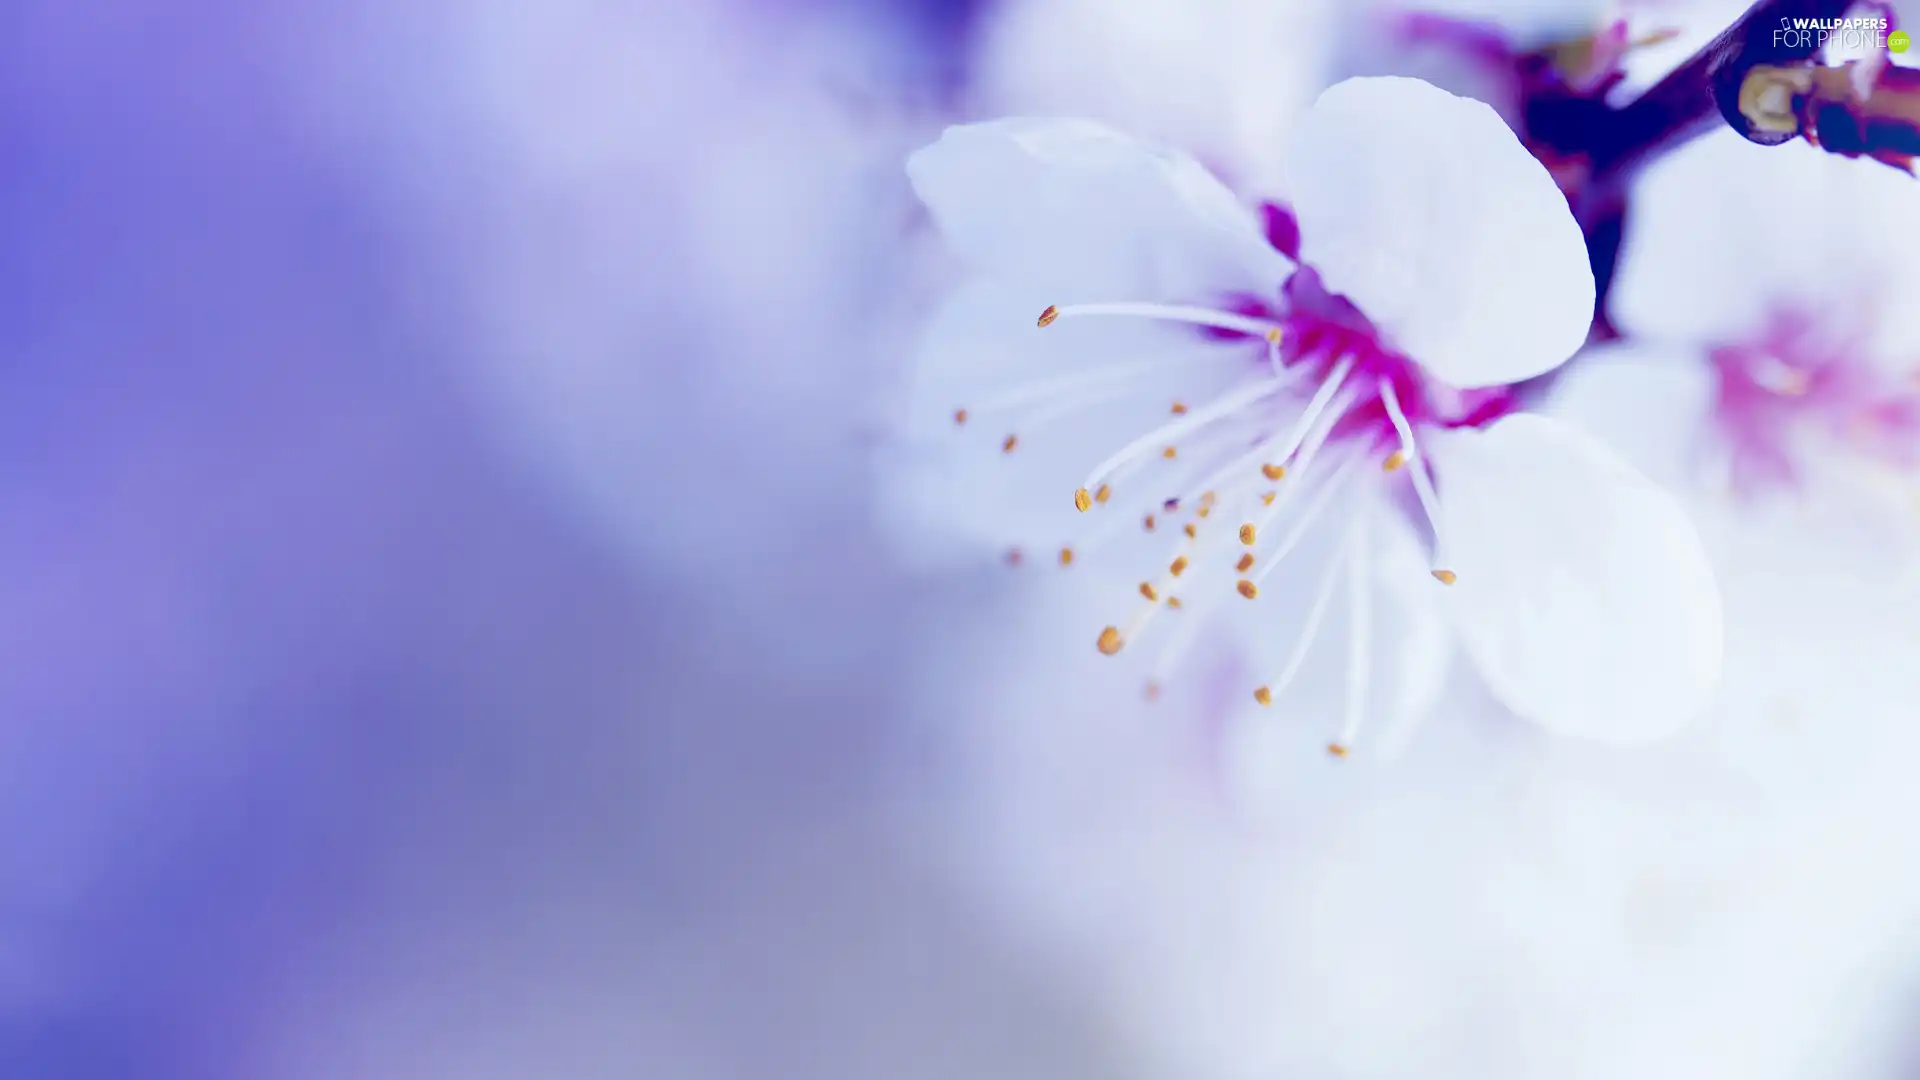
(1066, 556)
(1047, 316)
(1147, 590)
(1445, 577)
(1247, 589)
(1245, 564)
(1082, 501)
(1394, 461)
(1012, 441)
(1247, 534)
(1178, 566)
(1263, 695)
(1105, 493)
(1273, 472)
(1110, 641)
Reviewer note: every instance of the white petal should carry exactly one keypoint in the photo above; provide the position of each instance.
(1584, 594)
(1725, 233)
(1651, 404)
(1090, 213)
(1413, 627)
(1424, 210)
(1225, 79)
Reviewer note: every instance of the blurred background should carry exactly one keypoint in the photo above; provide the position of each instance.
(450, 633)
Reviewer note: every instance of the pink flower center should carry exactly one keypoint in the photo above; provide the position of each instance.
(1792, 382)
(1321, 329)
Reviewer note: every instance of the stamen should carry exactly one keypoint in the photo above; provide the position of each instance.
(1247, 535)
(1263, 695)
(1197, 316)
(1103, 495)
(1014, 557)
(1179, 409)
(1148, 523)
(1359, 630)
(1178, 566)
(1173, 602)
(1008, 446)
(1394, 461)
(1316, 615)
(1066, 556)
(1147, 590)
(1082, 501)
(1322, 497)
(1169, 453)
(1248, 589)
(960, 417)
(1422, 484)
(1445, 577)
(1168, 434)
(1191, 530)
(1109, 641)
(1293, 441)
(1103, 383)
(1245, 563)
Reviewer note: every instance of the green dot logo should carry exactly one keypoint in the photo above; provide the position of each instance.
(1898, 41)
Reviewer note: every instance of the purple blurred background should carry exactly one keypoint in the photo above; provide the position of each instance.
(361, 719)
(449, 631)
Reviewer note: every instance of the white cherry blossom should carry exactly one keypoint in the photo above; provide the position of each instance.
(1196, 407)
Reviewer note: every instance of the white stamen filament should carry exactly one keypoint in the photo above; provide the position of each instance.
(1060, 410)
(1316, 615)
(1301, 442)
(1196, 316)
(1037, 392)
(1321, 499)
(1422, 484)
(1359, 630)
(1169, 434)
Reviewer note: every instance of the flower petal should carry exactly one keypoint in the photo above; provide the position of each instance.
(1424, 210)
(1225, 79)
(1651, 404)
(1725, 233)
(1584, 595)
(1076, 207)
